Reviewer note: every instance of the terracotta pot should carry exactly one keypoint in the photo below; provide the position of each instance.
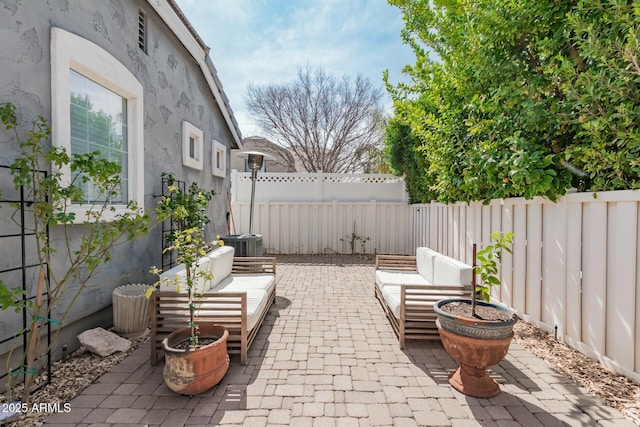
(475, 344)
(191, 372)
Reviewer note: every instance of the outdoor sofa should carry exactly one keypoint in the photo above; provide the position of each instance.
(408, 286)
(238, 297)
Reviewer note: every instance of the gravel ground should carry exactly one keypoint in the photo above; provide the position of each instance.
(615, 390)
(68, 379)
(83, 368)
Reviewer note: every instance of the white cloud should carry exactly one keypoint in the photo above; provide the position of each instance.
(262, 42)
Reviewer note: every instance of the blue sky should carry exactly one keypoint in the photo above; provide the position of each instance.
(265, 41)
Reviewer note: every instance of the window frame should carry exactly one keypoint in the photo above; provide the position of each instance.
(218, 148)
(189, 130)
(72, 52)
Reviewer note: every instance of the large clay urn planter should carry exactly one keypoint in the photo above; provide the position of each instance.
(192, 372)
(476, 345)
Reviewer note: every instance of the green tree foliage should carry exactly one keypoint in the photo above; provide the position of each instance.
(523, 98)
(405, 156)
(603, 92)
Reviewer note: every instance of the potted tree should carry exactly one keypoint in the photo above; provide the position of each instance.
(477, 334)
(196, 356)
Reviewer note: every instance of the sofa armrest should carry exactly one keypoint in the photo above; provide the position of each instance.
(396, 262)
(249, 265)
(169, 311)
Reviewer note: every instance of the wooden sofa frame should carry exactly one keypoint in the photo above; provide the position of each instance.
(417, 317)
(168, 310)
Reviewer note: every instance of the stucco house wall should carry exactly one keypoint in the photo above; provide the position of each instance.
(179, 84)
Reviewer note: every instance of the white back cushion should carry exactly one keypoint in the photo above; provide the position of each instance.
(425, 259)
(243, 282)
(221, 263)
(396, 278)
(449, 271)
(176, 279)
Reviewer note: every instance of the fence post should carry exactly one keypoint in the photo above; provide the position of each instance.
(267, 224)
(405, 194)
(565, 243)
(414, 231)
(374, 223)
(334, 225)
(319, 185)
(234, 185)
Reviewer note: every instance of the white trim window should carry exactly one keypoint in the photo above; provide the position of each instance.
(218, 159)
(192, 146)
(97, 104)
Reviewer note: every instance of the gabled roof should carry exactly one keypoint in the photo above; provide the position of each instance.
(172, 15)
(282, 156)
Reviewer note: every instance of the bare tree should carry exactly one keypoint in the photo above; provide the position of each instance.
(329, 124)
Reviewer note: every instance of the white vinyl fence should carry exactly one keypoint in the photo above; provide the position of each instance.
(318, 187)
(574, 264)
(318, 213)
(328, 227)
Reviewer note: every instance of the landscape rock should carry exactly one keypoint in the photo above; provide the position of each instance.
(102, 342)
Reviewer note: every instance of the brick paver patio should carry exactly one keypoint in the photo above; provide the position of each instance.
(327, 356)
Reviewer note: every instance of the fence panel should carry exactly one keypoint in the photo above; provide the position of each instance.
(314, 213)
(594, 274)
(573, 315)
(574, 266)
(506, 268)
(318, 187)
(520, 258)
(553, 260)
(621, 251)
(329, 227)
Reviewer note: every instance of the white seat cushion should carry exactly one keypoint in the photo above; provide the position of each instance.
(221, 264)
(449, 271)
(391, 295)
(425, 259)
(256, 302)
(391, 277)
(243, 282)
(175, 280)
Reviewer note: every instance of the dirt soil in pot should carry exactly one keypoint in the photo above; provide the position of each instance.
(201, 343)
(483, 312)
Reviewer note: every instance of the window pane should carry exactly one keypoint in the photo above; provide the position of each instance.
(192, 147)
(99, 123)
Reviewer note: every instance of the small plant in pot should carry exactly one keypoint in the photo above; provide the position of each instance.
(196, 356)
(476, 333)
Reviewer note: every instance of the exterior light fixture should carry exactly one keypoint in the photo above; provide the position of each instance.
(255, 160)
